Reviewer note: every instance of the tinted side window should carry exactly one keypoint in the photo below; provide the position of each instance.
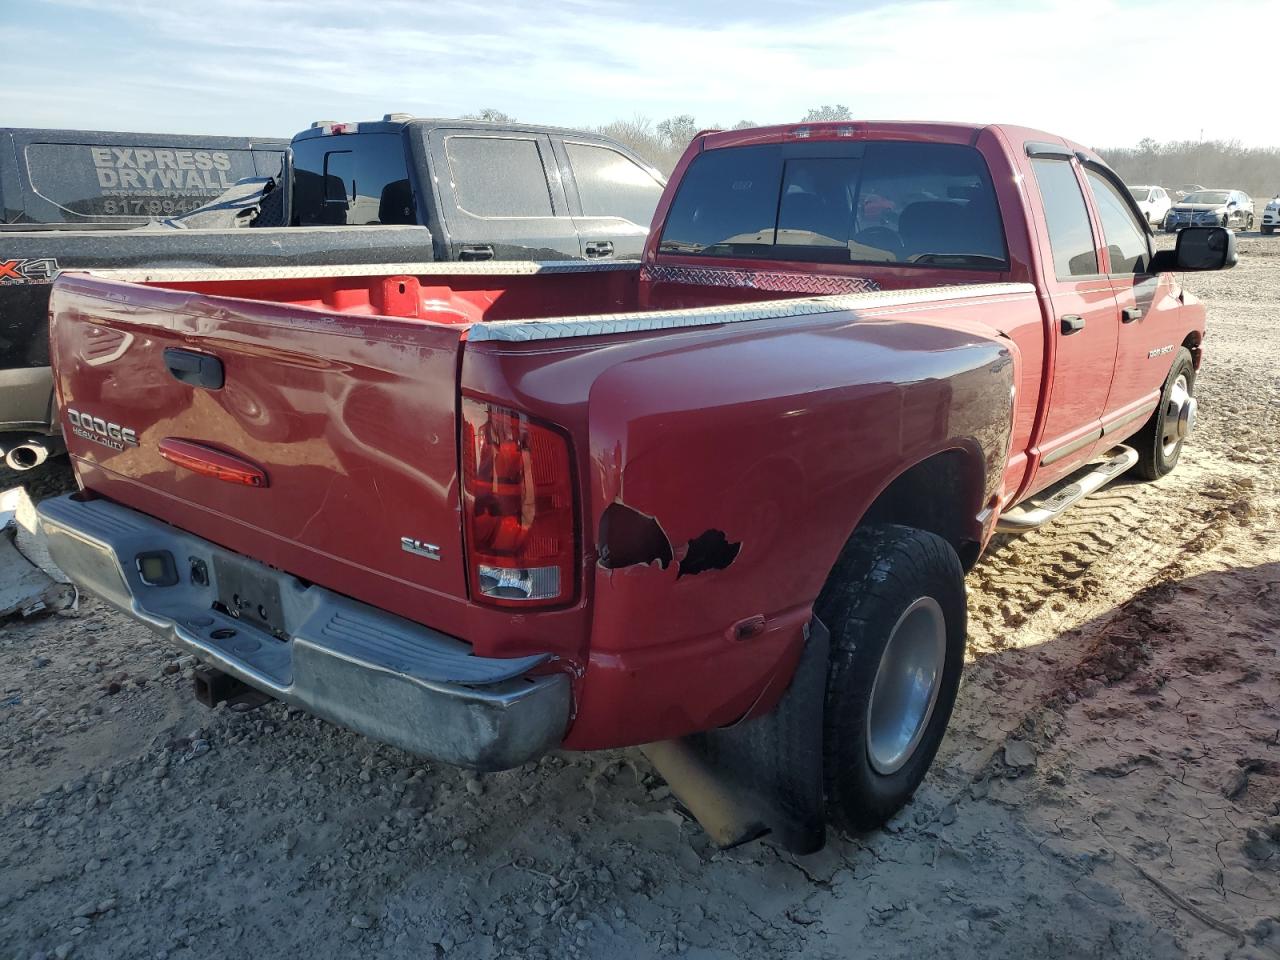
(352, 180)
(882, 201)
(1070, 236)
(611, 184)
(1126, 241)
(499, 176)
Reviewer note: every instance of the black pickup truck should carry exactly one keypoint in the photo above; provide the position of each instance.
(396, 191)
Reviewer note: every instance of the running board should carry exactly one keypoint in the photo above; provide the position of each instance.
(1028, 516)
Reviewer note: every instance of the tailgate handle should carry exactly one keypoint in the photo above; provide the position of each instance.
(195, 368)
(600, 248)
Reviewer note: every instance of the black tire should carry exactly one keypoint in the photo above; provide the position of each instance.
(1153, 459)
(1248, 223)
(883, 572)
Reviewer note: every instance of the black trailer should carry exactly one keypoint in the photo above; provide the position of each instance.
(96, 180)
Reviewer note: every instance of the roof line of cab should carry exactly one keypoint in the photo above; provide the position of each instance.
(396, 122)
(926, 130)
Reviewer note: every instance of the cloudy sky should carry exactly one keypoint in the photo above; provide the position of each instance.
(1094, 70)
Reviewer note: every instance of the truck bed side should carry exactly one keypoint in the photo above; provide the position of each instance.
(724, 466)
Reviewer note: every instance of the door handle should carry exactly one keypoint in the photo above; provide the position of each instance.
(476, 251)
(1130, 314)
(1072, 324)
(599, 248)
(195, 368)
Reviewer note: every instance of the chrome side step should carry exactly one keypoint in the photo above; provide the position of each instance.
(1029, 515)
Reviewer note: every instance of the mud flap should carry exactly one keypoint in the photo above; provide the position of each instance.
(762, 776)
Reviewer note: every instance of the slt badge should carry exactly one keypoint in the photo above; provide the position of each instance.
(420, 549)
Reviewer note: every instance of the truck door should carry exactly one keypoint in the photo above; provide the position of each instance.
(501, 196)
(1084, 321)
(612, 198)
(1147, 336)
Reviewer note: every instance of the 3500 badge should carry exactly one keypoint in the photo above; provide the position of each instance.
(88, 427)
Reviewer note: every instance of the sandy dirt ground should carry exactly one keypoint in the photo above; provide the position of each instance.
(1110, 786)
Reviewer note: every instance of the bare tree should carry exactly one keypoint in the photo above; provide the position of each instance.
(638, 134)
(490, 114)
(660, 145)
(678, 130)
(1223, 164)
(828, 111)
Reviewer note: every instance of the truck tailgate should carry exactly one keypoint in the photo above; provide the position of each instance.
(351, 420)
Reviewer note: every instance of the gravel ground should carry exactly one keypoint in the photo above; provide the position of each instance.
(1110, 785)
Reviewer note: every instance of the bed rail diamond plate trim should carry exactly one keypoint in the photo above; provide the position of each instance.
(595, 325)
(777, 280)
(496, 268)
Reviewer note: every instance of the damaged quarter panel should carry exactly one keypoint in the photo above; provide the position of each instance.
(725, 469)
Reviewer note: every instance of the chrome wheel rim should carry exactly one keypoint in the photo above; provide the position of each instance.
(1179, 416)
(906, 686)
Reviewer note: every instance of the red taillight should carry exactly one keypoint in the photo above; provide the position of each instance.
(518, 508)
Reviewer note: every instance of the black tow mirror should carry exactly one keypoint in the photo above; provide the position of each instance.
(1199, 248)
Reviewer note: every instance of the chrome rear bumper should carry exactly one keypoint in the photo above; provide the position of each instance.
(380, 675)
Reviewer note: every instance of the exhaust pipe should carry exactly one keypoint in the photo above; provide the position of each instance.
(27, 455)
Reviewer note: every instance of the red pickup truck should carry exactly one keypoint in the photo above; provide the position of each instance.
(719, 503)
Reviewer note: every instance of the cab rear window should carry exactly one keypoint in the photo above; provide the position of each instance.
(352, 180)
(865, 202)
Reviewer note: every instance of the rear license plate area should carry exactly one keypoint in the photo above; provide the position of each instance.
(248, 594)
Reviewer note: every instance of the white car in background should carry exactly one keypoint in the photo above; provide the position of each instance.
(1154, 202)
(1271, 215)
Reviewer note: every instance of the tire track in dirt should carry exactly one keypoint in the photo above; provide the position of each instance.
(1029, 595)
